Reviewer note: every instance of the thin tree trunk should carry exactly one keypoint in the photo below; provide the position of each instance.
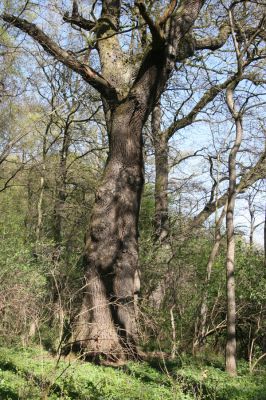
(252, 221)
(58, 213)
(28, 221)
(61, 195)
(107, 323)
(57, 282)
(173, 350)
(39, 212)
(252, 228)
(42, 185)
(161, 176)
(230, 351)
(201, 326)
(161, 216)
(265, 238)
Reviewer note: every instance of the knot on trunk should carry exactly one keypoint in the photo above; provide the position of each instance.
(131, 177)
(186, 47)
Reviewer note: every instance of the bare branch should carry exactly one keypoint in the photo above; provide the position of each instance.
(67, 58)
(249, 32)
(208, 96)
(156, 32)
(79, 21)
(168, 12)
(247, 180)
(214, 43)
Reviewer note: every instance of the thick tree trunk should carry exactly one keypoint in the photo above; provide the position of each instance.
(161, 176)
(107, 323)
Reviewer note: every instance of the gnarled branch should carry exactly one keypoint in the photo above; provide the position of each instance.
(79, 21)
(156, 32)
(214, 43)
(67, 58)
(168, 12)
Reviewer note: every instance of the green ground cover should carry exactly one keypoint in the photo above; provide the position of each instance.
(34, 374)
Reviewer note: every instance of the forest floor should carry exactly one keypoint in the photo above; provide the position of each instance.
(33, 373)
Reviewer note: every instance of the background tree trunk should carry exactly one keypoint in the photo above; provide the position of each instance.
(230, 351)
(201, 324)
(265, 237)
(161, 176)
(251, 211)
(61, 191)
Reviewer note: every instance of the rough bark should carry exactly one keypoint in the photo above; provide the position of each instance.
(107, 324)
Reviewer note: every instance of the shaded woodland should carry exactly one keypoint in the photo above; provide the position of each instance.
(132, 194)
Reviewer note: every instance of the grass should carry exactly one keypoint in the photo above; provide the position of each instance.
(33, 373)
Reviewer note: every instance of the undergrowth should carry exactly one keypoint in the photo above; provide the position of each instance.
(33, 373)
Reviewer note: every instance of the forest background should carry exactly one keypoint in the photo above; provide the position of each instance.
(196, 292)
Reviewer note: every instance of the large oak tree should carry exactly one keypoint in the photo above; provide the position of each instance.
(130, 84)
